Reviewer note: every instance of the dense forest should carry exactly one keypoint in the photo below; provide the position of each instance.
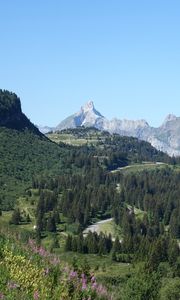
(158, 194)
(150, 238)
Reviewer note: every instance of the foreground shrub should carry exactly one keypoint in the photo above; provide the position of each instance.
(31, 272)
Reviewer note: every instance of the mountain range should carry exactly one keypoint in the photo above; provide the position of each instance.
(165, 138)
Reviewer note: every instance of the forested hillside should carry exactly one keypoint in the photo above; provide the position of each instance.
(106, 144)
(11, 115)
(24, 151)
(50, 193)
(145, 209)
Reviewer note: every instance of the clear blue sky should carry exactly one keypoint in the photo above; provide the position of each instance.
(123, 55)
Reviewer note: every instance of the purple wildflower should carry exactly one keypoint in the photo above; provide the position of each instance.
(84, 286)
(93, 278)
(12, 285)
(84, 282)
(94, 285)
(54, 260)
(1, 296)
(101, 290)
(36, 295)
(72, 274)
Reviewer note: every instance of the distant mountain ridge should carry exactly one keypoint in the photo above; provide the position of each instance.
(165, 138)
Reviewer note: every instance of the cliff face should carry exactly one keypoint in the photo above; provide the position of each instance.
(88, 116)
(11, 115)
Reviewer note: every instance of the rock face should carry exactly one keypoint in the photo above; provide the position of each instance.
(168, 136)
(165, 138)
(87, 116)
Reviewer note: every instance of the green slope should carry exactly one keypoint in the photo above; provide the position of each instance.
(24, 155)
(24, 151)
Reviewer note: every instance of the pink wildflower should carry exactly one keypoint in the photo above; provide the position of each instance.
(72, 274)
(12, 285)
(36, 295)
(84, 282)
(94, 285)
(101, 290)
(93, 279)
(84, 286)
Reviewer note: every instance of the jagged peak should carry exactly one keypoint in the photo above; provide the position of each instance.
(139, 122)
(89, 109)
(170, 117)
(88, 106)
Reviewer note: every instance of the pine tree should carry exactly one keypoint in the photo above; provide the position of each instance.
(158, 254)
(51, 224)
(80, 241)
(175, 224)
(116, 246)
(102, 245)
(16, 217)
(55, 242)
(28, 219)
(173, 251)
(74, 244)
(68, 244)
(57, 217)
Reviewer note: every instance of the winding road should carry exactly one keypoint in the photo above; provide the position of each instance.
(96, 226)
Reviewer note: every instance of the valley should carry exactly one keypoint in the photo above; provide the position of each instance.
(86, 213)
(90, 150)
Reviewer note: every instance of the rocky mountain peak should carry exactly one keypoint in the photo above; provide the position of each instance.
(169, 118)
(88, 110)
(88, 106)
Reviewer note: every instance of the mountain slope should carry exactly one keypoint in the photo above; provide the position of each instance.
(168, 134)
(44, 129)
(11, 115)
(88, 116)
(165, 138)
(24, 151)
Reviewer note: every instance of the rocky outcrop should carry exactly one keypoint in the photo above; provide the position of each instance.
(87, 116)
(11, 115)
